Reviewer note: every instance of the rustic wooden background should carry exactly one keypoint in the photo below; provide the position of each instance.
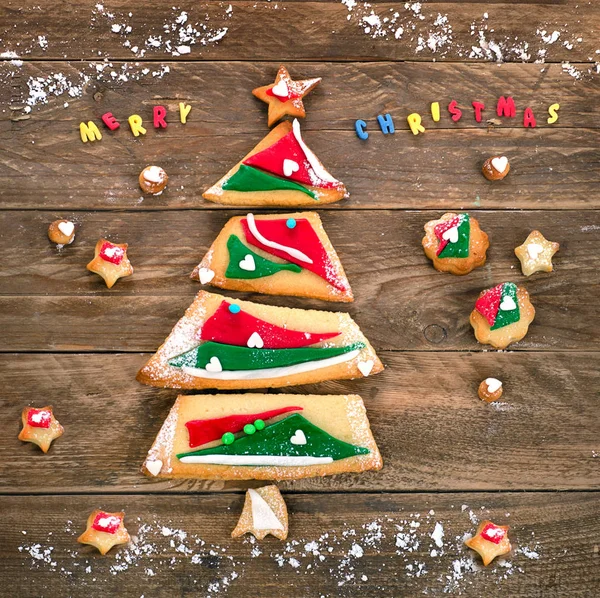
(532, 462)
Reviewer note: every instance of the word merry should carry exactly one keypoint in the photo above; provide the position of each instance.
(90, 132)
(505, 107)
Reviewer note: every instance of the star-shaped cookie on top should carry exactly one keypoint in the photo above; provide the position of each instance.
(110, 261)
(490, 541)
(285, 95)
(104, 530)
(536, 253)
(40, 427)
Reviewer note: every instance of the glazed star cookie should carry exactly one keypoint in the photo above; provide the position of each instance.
(536, 253)
(278, 254)
(263, 437)
(104, 530)
(502, 315)
(110, 261)
(455, 243)
(490, 541)
(264, 513)
(285, 95)
(40, 427)
(227, 345)
(280, 171)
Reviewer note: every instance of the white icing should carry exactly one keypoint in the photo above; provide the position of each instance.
(40, 416)
(500, 164)
(534, 249)
(113, 252)
(262, 514)
(256, 460)
(296, 253)
(365, 367)
(312, 159)
(255, 341)
(493, 384)
(279, 372)
(154, 466)
(508, 304)
(248, 263)
(206, 275)
(106, 522)
(66, 228)
(299, 438)
(451, 234)
(154, 174)
(281, 90)
(290, 167)
(214, 365)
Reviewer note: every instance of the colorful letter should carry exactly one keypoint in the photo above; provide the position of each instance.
(110, 121)
(360, 126)
(506, 107)
(135, 122)
(552, 111)
(478, 107)
(528, 118)
(159, 113)
(414, 122)
(89, 132)
(454, 111)
(386, 123)
(184, 110)
(435, 111)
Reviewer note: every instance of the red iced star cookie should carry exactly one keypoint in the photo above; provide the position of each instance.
(104, 530)
(110, 261)
(490, 541)
(285, 95)
(40, 427)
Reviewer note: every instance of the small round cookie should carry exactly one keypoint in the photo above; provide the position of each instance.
(455, 243)
(61, 232)
(502, 315)
(490, 390)
(153, 179)
(495, 168)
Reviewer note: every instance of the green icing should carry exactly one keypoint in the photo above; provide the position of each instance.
(263, 267)
(461, 247)
(247, 178)
(274, 440)
(233, 357)
(506, 317)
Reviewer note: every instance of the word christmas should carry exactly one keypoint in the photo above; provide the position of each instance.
(505, 107)
(91, 132)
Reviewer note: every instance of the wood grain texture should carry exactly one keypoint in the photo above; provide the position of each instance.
(562, 527)
(434, 436)
(52, 303)
(552, 166)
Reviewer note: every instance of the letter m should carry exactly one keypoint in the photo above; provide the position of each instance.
(506, 107)
(89, 132)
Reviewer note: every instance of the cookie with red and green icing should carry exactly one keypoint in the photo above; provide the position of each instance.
(455, 243)
(276, 254)
(280, 171)
(227, 344)
(256, 436)
(502, 315)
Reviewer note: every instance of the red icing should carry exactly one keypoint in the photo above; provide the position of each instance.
(39, 418)
(290, 96)
(441, 228)
(489, 304)
(454, 111)
(303, 238)
(206, 430)
(110, 121)
(115, 254)
(288, 148)
(528, 118)
(235, 329)
(110, 526)
(159, 113)
(493, 533)
(478, 107)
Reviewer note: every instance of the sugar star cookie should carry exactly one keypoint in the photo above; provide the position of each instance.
(490, 541)
(104, 530)
(110, 262)
(40, 427)
(536, 253)
(285, 95)
(264, 513)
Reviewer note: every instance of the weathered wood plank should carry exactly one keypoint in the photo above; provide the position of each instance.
(305, 30)
(370, 548)
(436, 435)
(50, 302)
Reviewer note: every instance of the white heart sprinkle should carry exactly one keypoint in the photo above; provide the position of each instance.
(66, 228)
(248, 263)
(493, 384)
(281, 89)
(214, 365)
(365, 367)
(451, 234)
(206, 275)
(154, 466)
(290, 167)
(298, 438)
(255, 340)
(500, 164)
(534, 249)
(508, 304)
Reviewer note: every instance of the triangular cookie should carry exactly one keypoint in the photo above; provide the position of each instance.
(276, 254)
(280, 171)
(264, 513)
(224, 344)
